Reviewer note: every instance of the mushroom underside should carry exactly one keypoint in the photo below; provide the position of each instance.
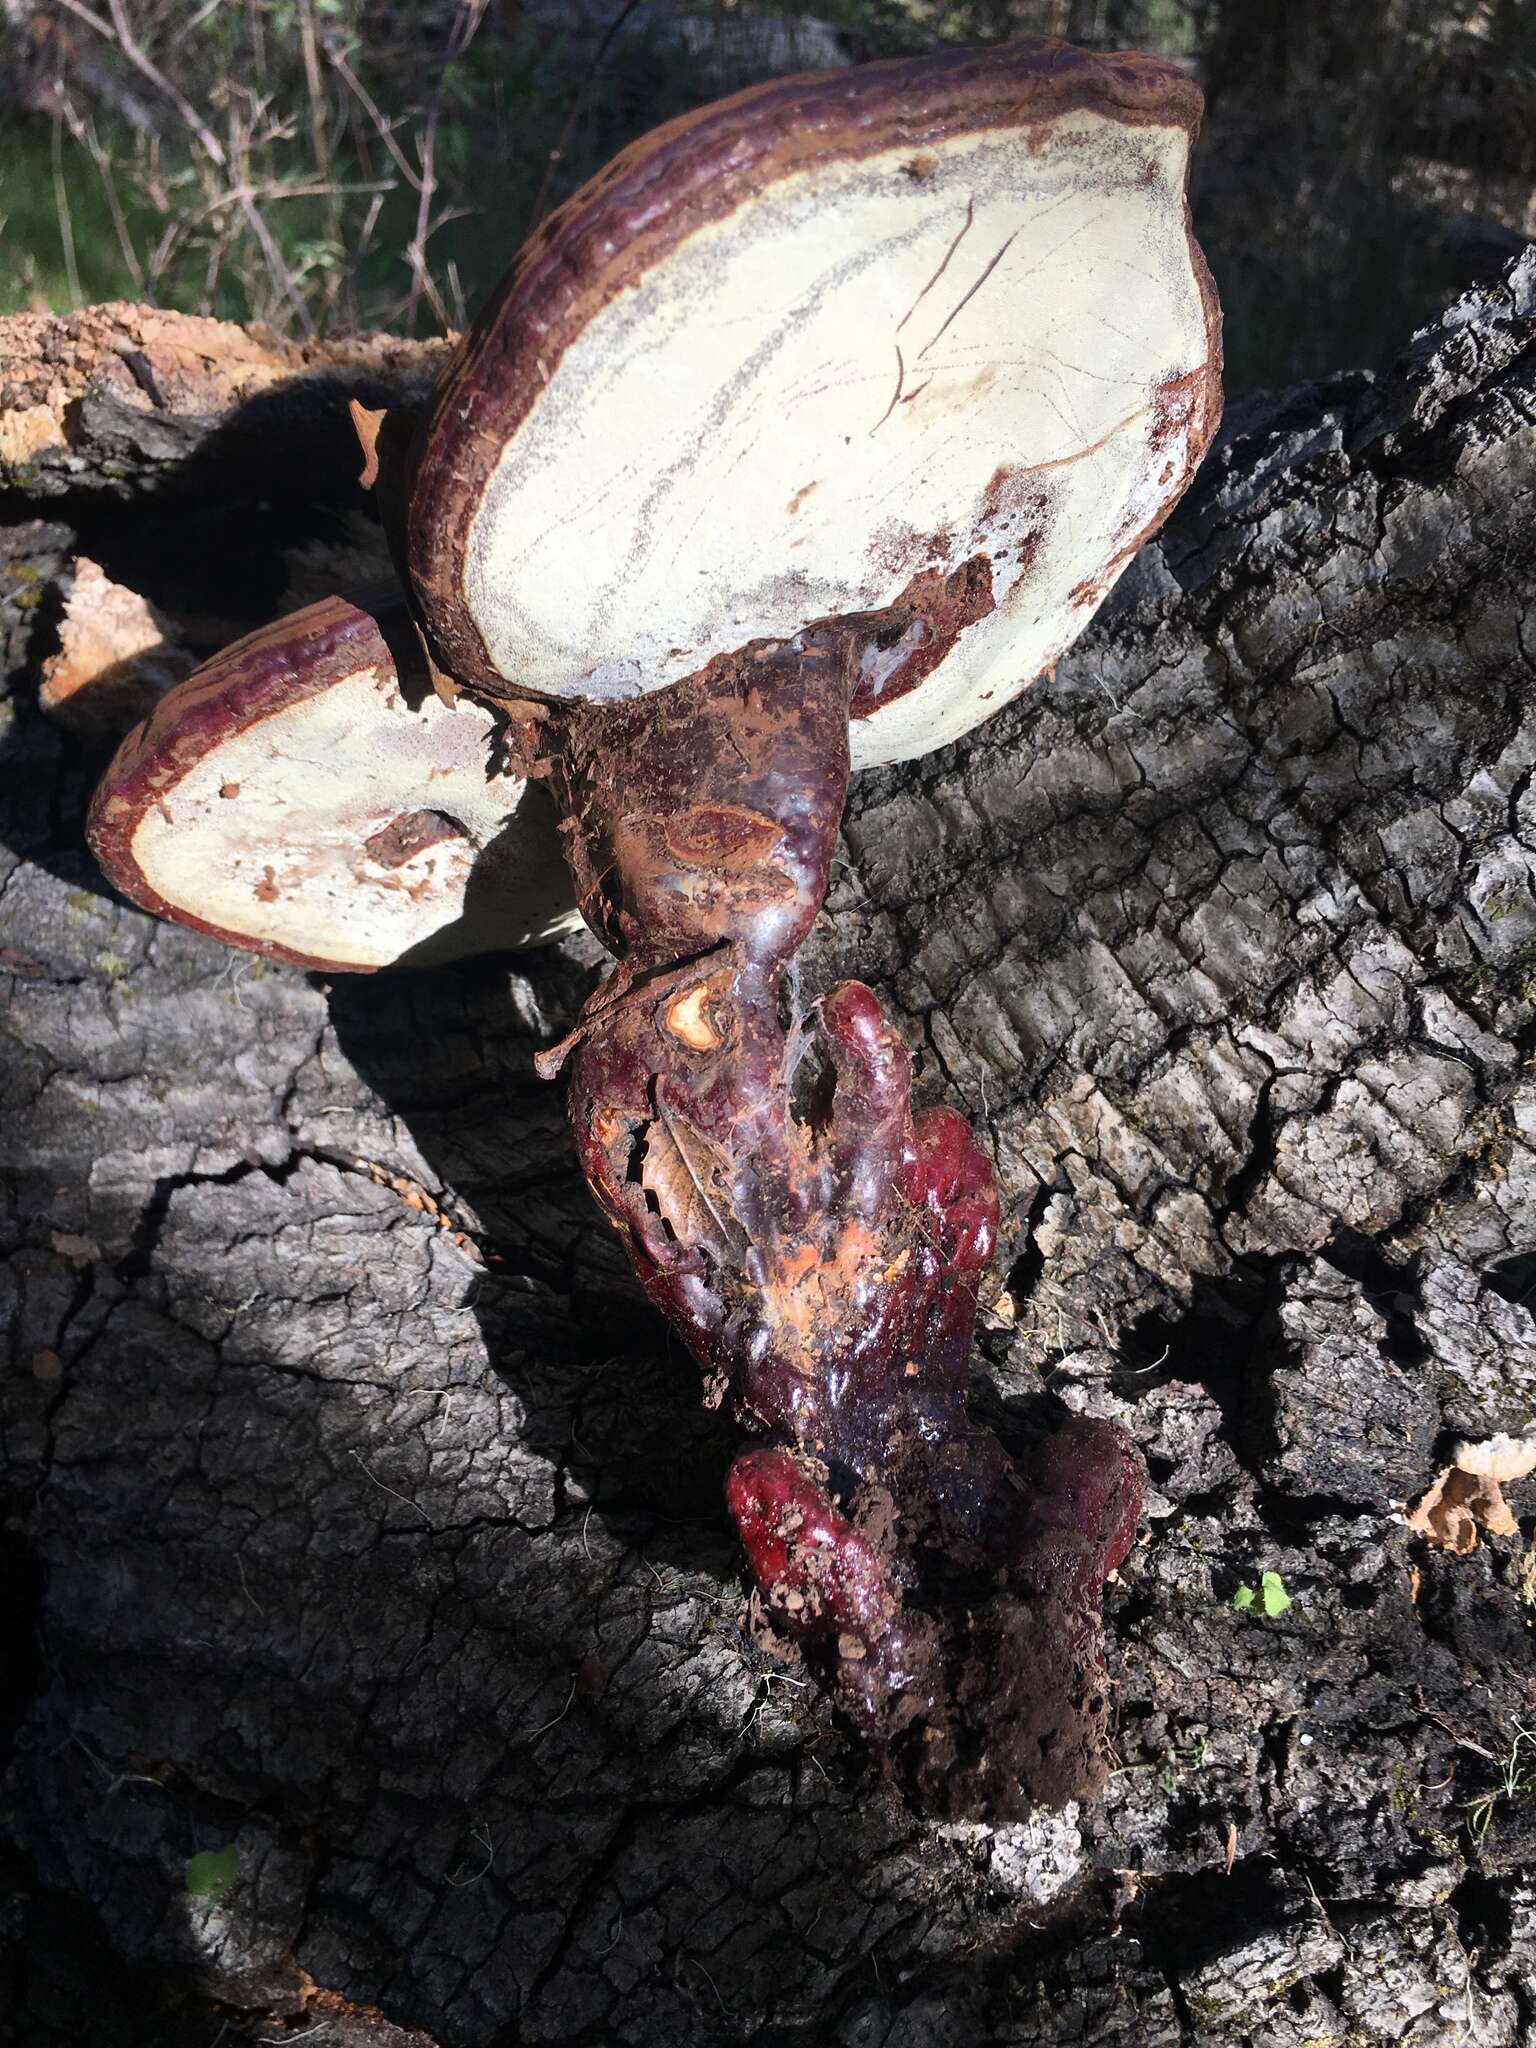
(996, 352)
(297, 797)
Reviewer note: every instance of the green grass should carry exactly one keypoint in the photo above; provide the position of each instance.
(33, 267)
(506, 106)
(1324, 259)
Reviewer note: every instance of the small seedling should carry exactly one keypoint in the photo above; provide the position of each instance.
(1516, 1784)
(1271, 1597)
(1177, 1761)
(211, 1873)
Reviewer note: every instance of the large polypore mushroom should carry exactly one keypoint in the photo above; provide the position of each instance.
(805, 436)
(928, 343)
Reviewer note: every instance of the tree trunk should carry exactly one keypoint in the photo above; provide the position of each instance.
(375, 1637)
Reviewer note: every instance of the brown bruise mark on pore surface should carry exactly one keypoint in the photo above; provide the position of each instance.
(904, 642)
(949, 253)
(818, 1246)
(1186, 411)
(411, 833)
(901, 644)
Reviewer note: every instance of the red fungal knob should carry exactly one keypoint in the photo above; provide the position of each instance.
(823, 1580)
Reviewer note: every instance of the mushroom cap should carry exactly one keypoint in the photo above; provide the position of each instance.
(304, 795)
(930, 338)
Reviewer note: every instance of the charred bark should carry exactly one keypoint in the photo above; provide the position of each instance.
(362, 1523)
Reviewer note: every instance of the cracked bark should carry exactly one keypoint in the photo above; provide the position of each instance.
(360, 1517)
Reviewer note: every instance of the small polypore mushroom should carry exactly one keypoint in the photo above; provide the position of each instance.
(305, 795)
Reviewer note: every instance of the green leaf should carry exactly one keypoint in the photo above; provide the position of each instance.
(1243, 1599)
(211, 1874)
(1273, 1594)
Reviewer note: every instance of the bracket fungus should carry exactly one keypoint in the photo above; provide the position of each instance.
(803, 438)
(306, 795)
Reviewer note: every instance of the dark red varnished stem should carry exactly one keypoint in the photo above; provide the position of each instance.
(818, 1247)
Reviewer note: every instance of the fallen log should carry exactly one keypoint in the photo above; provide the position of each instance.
(377, 1649)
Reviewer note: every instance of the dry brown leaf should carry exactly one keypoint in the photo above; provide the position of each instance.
(1444, 1516)
(366, 422)
(1466, 1496)
(690, 1177)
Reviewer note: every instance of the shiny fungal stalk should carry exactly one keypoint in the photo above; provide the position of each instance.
(818, 1247)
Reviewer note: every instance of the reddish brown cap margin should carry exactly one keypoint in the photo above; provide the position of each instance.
(698, 169)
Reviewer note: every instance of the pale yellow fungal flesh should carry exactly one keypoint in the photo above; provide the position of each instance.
(266, 835)
(867, 371)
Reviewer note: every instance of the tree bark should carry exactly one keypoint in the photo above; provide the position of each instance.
(361, 1522)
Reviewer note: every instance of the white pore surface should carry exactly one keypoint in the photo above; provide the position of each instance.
(734, 447)
(282, 859)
